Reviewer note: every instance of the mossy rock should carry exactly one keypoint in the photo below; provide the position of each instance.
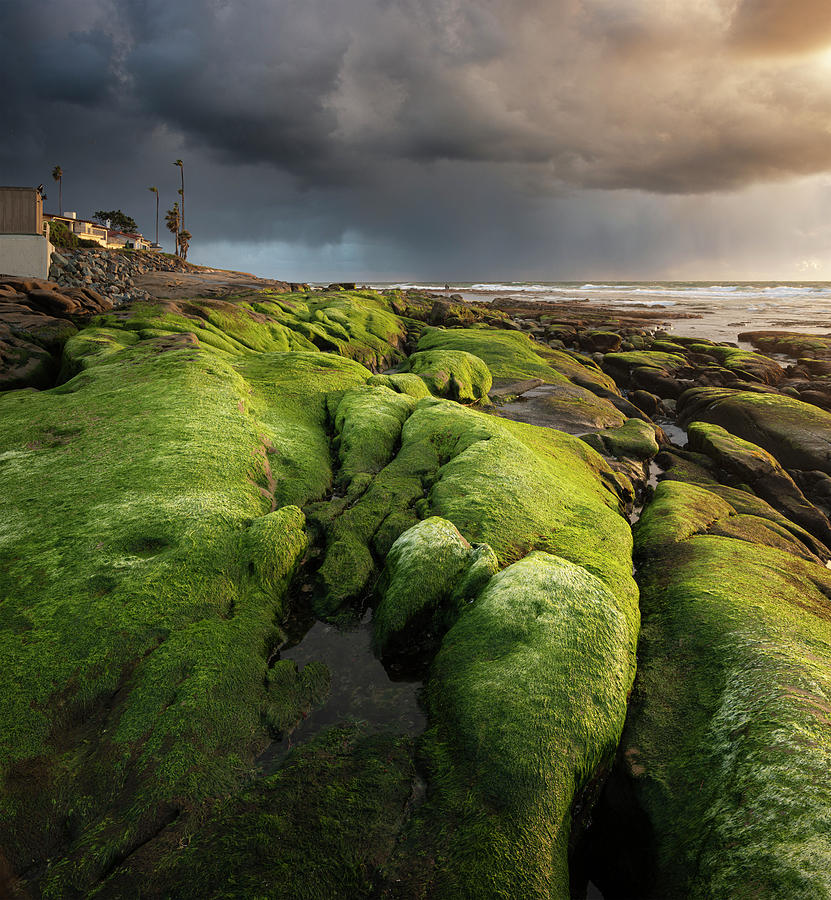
(454, 374)
(368, 424)
(654, 359)
(796, 433)
(431, 570)
(666, 346)
(152, 533)
(747, 365)
(752, 465)
(293, 694)
(510, 485)
(527, 699)
(729, 747)
(793, 343)
(324, 825)
(402, 382)
(566, 407)
(635, 439)
(512, 356)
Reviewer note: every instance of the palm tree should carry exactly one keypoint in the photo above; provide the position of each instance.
(184, 243)
(57, 175)
(155, 190)
(181, 166)
(173, 222)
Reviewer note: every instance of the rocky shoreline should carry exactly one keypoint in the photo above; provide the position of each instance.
(597, 550)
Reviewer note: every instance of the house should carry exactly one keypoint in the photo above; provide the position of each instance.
(93, 231)
(25, 250)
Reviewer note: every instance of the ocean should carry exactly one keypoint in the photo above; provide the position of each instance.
(721, 309)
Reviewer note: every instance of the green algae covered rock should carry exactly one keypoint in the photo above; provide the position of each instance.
(150, 532)
(427, 567)
(368, 426)
(527, 698)
(151, 528)
(273, 544)
(512, 356)
(454, 374)
(796, 433)
(355, 324)
(729, 746)
(756, 467)
(651, 358)
(509, 355)
(323, 825)
(634, 439)
(817, 346)
(293, 694)
(747, 365)
(512, 486)
(402, 382)
(567, 407)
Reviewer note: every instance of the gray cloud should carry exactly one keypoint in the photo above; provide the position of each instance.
(423, 127)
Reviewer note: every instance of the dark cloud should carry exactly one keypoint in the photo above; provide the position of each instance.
(487, 129)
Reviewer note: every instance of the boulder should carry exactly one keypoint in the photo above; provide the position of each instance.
(727, 750)
(635, 439)
(431, 572)
(454, 374)
(797, 434)
(751, 465)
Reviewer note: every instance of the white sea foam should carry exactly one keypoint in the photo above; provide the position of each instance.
(514, 288)
(714, 293)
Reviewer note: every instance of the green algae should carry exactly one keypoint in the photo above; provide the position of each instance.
(402, 382)
(634, 439)
(454, 374)
(323, 826)
(654, 359)
(293, 694)
(527, 699)
(797, 434)
(748, 512)
(567, 407)
(127, 560)
(149, 539)
(746, 364)
(368, 424)
(752, 465)
(512, 356)
(790, 342)
(512, 486)
(431, 571)
(150, 529)
(729, 746)
(358, 325)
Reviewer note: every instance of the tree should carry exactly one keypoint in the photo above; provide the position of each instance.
(184, 243)
(57, 175)
(117, 219)
(173, 222)
(155, 190)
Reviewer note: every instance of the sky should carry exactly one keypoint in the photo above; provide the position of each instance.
(438, 140)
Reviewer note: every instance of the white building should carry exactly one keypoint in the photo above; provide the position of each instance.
(24, 246)
(92, 231)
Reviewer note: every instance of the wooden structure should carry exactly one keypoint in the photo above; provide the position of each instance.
(21, 211)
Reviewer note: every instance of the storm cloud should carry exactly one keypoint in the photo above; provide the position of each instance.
(418, 126)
